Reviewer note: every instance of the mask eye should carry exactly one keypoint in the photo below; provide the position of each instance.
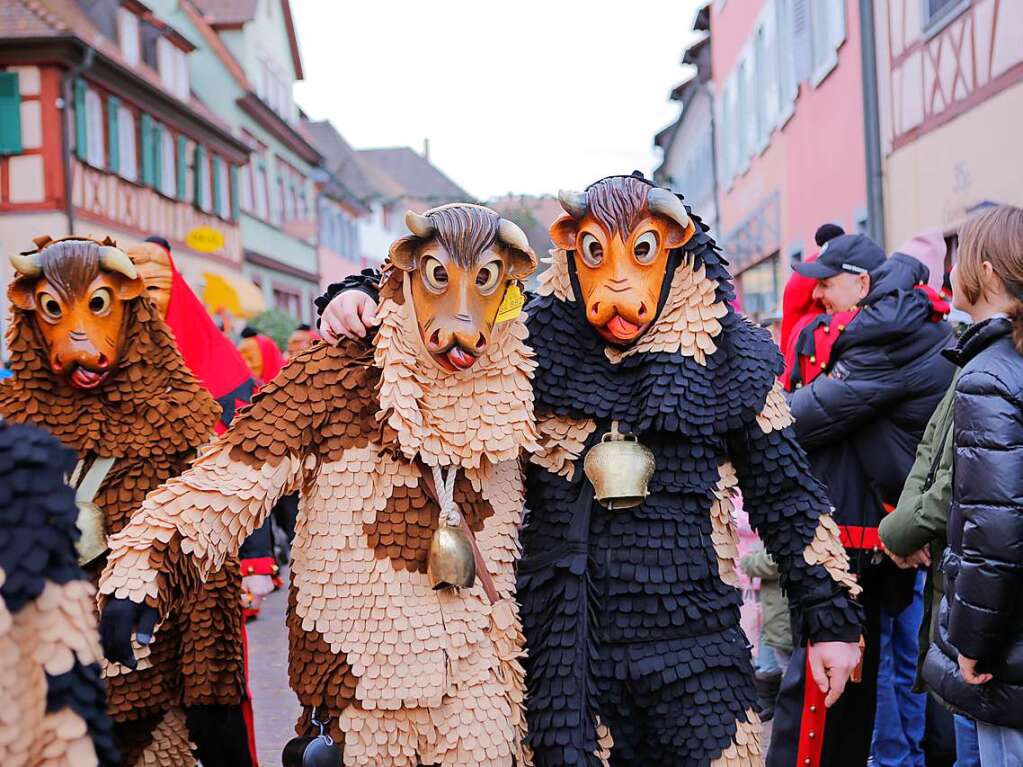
(435, 275)
(645, 249)
(100, 301)
(487, 277)
(50, 306)
(591, 249)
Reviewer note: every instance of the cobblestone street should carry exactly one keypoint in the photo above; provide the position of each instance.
(276, 707)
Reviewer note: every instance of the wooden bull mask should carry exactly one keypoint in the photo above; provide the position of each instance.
(460, 260)
(77, 291)
(620, 232)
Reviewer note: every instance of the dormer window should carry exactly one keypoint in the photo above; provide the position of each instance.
(173, 65)
(128, 38)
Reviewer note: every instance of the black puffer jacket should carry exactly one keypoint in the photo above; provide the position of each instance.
(981, 615)
(861, 423)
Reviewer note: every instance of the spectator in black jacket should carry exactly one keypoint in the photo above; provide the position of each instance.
(860, 425)
(976, 661)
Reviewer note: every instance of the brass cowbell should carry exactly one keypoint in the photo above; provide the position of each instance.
(619, 468)
(451, 563)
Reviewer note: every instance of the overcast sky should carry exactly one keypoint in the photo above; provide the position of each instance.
(548, 94)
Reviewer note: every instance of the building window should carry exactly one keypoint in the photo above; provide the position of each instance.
(127, 148)
(173, 65)
(223, 189)
(128, 35)
(760, 290)
(95, 154)
(168, 166)
(937, 13)
(828, 34)
(288, 301)
(10, 114)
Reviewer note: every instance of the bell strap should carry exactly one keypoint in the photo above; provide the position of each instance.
(486, 579)
(88, 487)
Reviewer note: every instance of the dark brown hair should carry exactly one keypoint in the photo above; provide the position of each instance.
(995, 236)
(618, 203)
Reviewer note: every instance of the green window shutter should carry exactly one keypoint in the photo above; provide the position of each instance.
(157, 143)
(10, 113)
(234, 193)
(81, 121)
(216, 188)
(200, 158)
(182, 169)
(113, 150)
(147, 149)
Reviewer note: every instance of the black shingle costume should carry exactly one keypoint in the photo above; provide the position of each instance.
(49, 646)
(632, 616)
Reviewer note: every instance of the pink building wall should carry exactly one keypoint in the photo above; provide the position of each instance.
(815, 162)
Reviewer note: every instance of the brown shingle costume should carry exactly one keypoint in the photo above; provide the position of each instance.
(151, 415)
(405, 674)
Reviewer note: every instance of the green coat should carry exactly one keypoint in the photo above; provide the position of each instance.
(777, 628)
(922, 513)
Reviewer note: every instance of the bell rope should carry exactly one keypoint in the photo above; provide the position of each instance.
(449, 514)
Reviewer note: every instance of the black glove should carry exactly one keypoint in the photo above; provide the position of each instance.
(120, 619)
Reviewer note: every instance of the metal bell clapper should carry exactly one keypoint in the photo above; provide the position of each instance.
(619, 468)
(92, 544)
(451, 563)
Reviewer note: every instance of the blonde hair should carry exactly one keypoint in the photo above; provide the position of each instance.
(995, 236)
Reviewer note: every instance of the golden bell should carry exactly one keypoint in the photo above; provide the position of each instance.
(619, 468)
(93, 542)
(451, 563)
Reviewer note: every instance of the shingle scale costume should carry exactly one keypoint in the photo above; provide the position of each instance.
(631, 616)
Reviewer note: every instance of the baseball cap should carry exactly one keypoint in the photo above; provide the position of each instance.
(850, 253)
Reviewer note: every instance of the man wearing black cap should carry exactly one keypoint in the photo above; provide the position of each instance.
(860, 422)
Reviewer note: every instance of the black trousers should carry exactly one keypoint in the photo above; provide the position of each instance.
(849, 727)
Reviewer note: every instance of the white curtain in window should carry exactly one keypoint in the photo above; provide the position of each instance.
(181, 82)
(126, 145)
(128, 35)
(94, 129)
(168, 164)
(224, 192)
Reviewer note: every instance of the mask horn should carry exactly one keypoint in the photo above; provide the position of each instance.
(574, 203)
(666, 204)
(27, 266)
(116, 260)
(419, 225)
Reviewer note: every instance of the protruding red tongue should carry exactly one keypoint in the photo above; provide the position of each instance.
(621, 328)
(460, 359)
(84, 378)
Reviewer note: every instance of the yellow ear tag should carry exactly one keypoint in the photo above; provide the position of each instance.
(511, 304)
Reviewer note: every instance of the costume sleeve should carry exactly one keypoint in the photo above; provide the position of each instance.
(920, 516)
(834, 405)
(790, 511)
(368, 281)
(190, 525)
(989, 482)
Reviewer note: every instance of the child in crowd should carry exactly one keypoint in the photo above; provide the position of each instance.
(976, 660)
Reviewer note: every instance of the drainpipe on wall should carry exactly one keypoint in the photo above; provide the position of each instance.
(871, 124)
(66, 81)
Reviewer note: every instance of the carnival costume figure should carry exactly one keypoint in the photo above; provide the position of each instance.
(407, 457)
(629, 597)
(54, 705)
(96, 366)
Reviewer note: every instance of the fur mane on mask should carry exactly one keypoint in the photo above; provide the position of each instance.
(701, 368)
(149, 405)
(484, 413)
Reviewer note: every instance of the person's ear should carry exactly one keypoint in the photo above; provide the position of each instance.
(864, 279)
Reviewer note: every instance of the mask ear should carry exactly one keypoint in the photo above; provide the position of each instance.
(564, 231)
(129, 289)
(521, 263)
(403, 252)
(22, 294)
(677, 236)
